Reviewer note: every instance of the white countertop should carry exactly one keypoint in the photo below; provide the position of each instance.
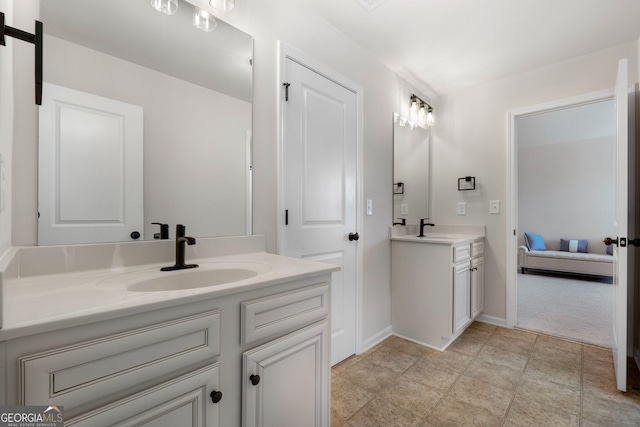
(438, 234)
(40, 303)
(448, 239)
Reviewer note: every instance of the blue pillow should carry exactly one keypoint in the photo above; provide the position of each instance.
(573, 245)
(609, 249)
(535, 242)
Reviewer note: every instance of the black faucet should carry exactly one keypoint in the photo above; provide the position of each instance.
(164, 231)
(181, 239)
(422, 224)
(403, 221)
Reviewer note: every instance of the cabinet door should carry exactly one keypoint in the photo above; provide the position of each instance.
(461, 297)
(185, 401)
(477, 286)
(286, 381)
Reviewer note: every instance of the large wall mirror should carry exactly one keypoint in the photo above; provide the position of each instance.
(411, 168)
(194, 91)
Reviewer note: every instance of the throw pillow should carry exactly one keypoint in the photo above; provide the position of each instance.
(535, 242)
(573, 245)
(609, 249)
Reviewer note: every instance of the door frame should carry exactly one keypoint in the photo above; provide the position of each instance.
(512, 186)
(285, 53)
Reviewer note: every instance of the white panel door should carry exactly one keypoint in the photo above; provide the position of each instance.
(90, 168)
(620, 226)
(319, 175)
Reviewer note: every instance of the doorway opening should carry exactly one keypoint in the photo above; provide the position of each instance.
(561, 184)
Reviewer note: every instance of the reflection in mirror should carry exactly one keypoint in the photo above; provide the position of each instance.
(194, 89)
(411, 166)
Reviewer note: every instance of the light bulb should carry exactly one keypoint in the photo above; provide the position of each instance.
(422, 116)
(223, 6)
(204, 20)
(168, 7)
(430, 121)
(413, 112)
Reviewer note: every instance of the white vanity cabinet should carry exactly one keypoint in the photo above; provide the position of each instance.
(186, 364)
(436, 287)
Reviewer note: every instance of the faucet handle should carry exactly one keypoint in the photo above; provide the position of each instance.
(164, 231)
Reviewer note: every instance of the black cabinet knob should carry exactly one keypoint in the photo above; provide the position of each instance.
(353, 236)
(216, 396)
(135, 235)
(255, 379)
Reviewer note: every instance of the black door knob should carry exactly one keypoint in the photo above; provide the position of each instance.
(135, 235)
(608, 240)
(216, 396)
(255, 379)
(353, 236)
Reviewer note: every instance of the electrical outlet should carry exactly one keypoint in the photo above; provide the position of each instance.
(494, 206)
(404, 209)
(462, 208)
(369, 207)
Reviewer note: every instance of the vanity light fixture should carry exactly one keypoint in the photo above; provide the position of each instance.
(203, 20)
(223, 6)
(168, 7)
(420, 113)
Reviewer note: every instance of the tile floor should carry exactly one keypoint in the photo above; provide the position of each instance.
(490, 376)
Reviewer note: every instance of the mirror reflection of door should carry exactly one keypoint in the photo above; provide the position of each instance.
(90, 161)
(411, 162)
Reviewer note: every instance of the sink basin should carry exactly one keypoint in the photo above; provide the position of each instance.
(207, 274)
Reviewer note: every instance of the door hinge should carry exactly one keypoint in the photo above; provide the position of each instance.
(286, 90)
(286, 217)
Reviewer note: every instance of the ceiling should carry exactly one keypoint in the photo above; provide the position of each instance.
(441, 46)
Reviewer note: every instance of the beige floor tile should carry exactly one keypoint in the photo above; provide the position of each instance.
(347, 398)
(586, 423)
(413, 396)
(447, 359)
(501, 357)
(381, 413)
(517, 333)
(466, 345)
(370, 376)
(405, 346)
(599, 367)
(478, 334)
(609, 412)
(500, 376)
(529, 413)
(346, 364)
(557, 374)
(550, 393)
(545, 341)
(481, 395)
(336, 420)
(393, 359)
(557, 357)
(511, 344)
(592, 353)
(483, 326)
(432, 375)
(452, 412)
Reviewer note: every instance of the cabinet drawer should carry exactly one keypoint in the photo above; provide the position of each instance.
(278, 314)
(461, 253)
(79, 374)
(183, 401)
(477, 249)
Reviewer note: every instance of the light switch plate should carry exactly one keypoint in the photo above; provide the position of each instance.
(494, 206)
(369, 207)
(404, 209)
(462, 208)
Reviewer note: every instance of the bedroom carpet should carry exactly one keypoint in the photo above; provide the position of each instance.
(572, 308)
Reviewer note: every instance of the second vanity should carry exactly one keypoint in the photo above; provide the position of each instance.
(437, 282)
(86, 329)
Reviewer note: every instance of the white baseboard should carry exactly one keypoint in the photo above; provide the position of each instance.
(376, 339)
(497, 321)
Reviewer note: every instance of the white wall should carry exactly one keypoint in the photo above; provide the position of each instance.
(194, 138)
(566, 191)
(6, 126)
(470, 138)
